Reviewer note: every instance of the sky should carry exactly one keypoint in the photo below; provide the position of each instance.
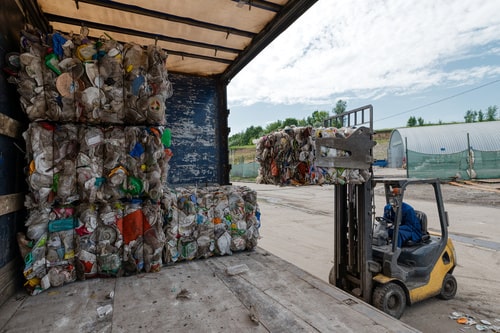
(434, 59)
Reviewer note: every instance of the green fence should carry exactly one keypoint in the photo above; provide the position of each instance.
(485, 164)
(245, 170)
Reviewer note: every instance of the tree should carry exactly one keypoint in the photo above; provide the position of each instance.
(340, 107)
(491, 113)
(302, 123)
(317, 118)
(234, 140)
(420, 121)
(480, 116)
(290, 122)
(246, 137)
(412, 121)
(273, 127)
(470, 116)
(252, 133)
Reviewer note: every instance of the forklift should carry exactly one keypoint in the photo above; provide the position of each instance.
(368, 264)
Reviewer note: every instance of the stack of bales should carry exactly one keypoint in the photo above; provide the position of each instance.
(98, 153)
(98, 157)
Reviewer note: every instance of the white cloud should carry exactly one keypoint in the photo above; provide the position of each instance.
(372, 48)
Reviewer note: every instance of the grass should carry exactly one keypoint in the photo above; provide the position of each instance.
(380, 149)
(242, 154)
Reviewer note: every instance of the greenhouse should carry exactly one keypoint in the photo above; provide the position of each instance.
(467, 151)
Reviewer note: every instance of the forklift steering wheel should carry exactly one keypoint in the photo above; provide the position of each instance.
(382, 219)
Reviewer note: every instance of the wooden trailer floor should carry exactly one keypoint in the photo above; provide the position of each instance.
(199, 296)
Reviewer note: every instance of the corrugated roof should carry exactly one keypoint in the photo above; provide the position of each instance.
(202, 37)
(447, 139)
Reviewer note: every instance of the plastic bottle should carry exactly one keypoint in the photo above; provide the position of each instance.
(52, 61)
(237, 269)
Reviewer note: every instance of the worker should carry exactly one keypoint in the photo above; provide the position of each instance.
(410, 228)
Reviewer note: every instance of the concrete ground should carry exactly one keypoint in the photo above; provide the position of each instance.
(297, 225)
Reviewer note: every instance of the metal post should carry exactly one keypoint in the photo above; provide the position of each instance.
(471, 158)
(406, 155)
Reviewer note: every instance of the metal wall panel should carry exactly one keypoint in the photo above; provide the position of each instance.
(192, 117)
(8, 244)
(11, 158)
(12, 23)
(11, 167)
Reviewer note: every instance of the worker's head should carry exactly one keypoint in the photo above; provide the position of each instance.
(396, 191)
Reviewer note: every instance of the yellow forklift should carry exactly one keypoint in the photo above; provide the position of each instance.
(367, 263)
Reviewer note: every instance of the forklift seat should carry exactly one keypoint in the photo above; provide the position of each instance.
(425, 234)
(419, 254)
(423, 223)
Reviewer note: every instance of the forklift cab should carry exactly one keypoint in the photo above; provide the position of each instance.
(420, 268)
(396, 210)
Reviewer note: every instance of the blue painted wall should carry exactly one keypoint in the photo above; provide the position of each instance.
(192, 115)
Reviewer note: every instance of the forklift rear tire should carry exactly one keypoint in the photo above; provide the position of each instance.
(390, 298)
(449, 288)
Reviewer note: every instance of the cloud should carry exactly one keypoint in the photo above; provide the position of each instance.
(362, 48)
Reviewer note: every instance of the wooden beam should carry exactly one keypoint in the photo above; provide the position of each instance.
(179, 19)
(10, 127)
(143, 34)
(11, 203)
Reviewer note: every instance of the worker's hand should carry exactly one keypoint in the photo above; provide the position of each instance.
(381, 219)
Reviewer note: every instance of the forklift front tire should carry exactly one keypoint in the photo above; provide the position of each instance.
(390, 298)
(449, 288)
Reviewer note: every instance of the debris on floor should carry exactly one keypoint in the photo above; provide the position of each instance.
(479, 324)
(237, 269)
(183, 294)
(104, 310)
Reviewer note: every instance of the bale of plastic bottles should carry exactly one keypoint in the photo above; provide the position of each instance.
(206, 221)
(69, 162)
(288, 157)
(83, 240)
(74, 78)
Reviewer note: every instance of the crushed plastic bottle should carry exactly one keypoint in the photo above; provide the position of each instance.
(237, 269)
(104, 310)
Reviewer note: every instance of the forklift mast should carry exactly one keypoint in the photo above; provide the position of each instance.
(353, 202)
